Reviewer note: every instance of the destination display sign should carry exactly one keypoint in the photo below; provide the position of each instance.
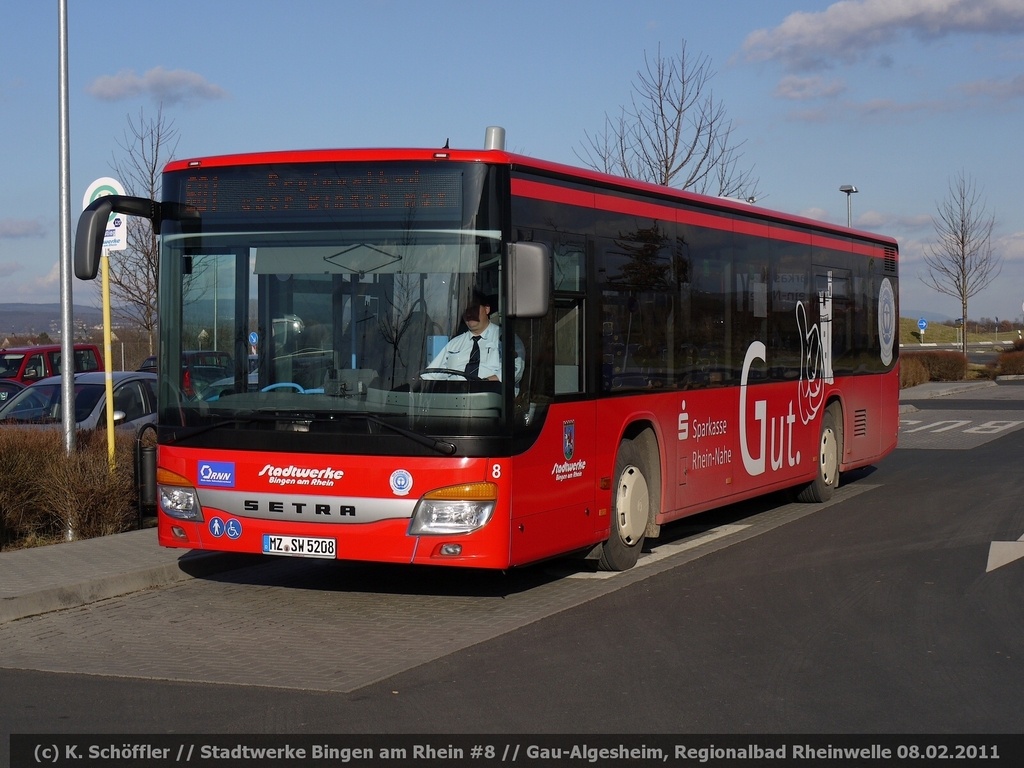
(382, 190)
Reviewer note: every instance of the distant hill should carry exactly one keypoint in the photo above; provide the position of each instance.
(931, 317)
(21, 319)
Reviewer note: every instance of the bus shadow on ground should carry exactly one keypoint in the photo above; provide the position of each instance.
(383, 578)
(439, 581)
(739, 512)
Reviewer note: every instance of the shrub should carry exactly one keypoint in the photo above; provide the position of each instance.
(913, 371)
(941, 366)
(1011, 363)
(44, 493)
(947, 366)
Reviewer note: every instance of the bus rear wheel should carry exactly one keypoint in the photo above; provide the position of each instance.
(830, 448)
(631, 505)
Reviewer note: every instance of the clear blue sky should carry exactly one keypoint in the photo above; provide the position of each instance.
(893, 97)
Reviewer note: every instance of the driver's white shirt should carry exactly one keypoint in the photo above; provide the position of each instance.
(455, 355)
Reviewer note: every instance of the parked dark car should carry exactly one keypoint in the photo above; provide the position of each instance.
(199, 369)
(9, 387)
(39, 404)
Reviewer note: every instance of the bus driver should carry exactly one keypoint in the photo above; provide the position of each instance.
(477, 352)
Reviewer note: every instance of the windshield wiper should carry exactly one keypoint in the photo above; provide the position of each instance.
(435, 444)
(185, 433)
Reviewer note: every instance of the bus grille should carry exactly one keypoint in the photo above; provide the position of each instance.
(890, 261)
(860, 423)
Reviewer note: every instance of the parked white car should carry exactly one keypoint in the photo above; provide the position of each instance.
(40, 403)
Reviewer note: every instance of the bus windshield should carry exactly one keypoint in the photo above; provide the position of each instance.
(336, 323)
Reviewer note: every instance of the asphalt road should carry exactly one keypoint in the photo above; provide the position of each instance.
(883, 611)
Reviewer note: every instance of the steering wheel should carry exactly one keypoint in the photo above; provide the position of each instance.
(451, 371)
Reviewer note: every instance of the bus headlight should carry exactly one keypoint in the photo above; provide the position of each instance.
(180, 502)
(177, 497)
(455, 509)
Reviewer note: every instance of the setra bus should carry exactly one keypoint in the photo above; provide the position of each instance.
(660, 353)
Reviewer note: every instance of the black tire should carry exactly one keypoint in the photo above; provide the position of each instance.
(631, 506)
(830, 449)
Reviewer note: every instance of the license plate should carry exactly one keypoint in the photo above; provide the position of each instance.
(299, 546)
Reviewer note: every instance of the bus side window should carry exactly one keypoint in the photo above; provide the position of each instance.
(569, 268)
(568, 338)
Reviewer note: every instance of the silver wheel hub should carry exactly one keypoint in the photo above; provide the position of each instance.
(632, 503)
(829, 457)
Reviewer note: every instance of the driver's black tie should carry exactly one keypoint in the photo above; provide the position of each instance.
(473, 367)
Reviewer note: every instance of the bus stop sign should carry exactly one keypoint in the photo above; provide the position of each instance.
(116, 236)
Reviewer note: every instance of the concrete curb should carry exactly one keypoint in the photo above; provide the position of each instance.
(77, 573)
(85, 592)
(932, 389)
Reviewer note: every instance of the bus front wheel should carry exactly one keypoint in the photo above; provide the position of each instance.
(631, 505)
(830, 448)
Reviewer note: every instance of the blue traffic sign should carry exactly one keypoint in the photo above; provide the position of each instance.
(922, 324)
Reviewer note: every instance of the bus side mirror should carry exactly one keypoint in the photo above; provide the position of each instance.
(92, 228)
(529, 279)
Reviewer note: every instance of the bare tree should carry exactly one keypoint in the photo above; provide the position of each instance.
(961, 263)
(148, 144)
(673, 132)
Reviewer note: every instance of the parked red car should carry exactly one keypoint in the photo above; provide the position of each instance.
(28, 364)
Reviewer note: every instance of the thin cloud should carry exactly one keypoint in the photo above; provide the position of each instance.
(999, 90)
(32, 290)
(50, 280)
(904, 224)
(13, 229)
(876, 110)
(820, 214)
(163, 85)
(1010, 247)
(808, 88)
(847, 31)
(889, 107)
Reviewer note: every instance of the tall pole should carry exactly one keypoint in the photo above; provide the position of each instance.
(67, 353)
(67, 342)
(849, 190)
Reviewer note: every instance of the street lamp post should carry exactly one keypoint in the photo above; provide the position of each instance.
(849, 190)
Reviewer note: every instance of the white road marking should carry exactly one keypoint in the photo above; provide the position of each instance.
(1002, 553)
(661, 551)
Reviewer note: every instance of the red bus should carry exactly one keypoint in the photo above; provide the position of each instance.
(659, 353)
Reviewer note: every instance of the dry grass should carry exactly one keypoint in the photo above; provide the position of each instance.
(45, 494)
